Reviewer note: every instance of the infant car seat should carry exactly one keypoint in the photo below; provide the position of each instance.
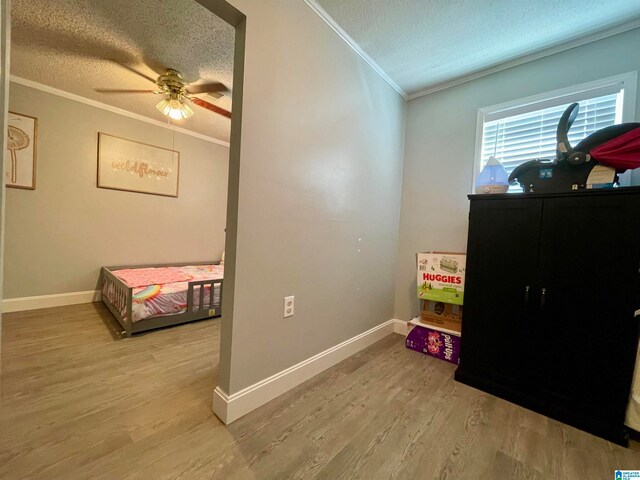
(616, 146)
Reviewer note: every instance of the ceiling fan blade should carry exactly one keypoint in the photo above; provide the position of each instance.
(117, 90)
(210, 106)
(131, 69)
(206, 88)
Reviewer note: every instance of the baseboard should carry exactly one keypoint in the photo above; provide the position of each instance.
(401, 327)
(231, 407)
(45, 301)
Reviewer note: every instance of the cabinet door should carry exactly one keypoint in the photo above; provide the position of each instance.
(502, 257)
(585, 333)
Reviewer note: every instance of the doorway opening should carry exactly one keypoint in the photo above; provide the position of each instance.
(142, 179)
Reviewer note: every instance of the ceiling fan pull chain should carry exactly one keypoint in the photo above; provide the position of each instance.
(173, 145)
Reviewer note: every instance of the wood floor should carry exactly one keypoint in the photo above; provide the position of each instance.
(80, 403)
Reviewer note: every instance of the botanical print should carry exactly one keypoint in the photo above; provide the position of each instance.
(20, 161)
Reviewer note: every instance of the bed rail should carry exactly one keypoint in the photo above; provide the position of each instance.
(199, 299)
(118, 298)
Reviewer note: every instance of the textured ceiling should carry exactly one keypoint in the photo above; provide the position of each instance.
(67, 44)
(423, 43)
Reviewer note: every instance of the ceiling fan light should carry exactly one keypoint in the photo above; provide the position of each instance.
(174, 108)
(185, 110)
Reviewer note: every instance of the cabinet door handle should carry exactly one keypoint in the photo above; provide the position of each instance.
(526, 295)
(543, 298)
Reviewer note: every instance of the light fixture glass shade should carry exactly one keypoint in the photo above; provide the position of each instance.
(174, 108)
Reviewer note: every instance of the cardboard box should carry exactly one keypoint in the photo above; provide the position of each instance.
(441, 276)
(444, 315)
(434, 342)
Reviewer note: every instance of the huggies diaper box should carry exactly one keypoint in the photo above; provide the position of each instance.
(441, 276)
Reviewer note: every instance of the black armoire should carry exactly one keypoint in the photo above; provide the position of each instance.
(552, 289)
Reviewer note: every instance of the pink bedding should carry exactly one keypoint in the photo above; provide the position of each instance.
(162, 291)
(143, 277)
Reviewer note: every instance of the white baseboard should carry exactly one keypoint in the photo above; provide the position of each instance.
(45, 301)
(401, 327)
(231, 407)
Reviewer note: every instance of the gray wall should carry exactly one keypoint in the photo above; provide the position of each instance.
(320, 183)
(5, 41)
(440, 143)
(59, 235)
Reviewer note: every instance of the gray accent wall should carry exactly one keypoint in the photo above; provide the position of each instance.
(440, 145)
(59, 235)
(320, 178)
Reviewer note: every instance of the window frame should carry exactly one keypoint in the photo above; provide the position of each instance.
(629, 81)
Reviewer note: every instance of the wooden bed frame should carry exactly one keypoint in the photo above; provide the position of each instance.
(123, 300)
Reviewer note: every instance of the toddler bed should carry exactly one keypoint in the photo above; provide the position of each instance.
(145, 297)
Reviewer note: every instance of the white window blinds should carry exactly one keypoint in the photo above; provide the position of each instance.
(528, 132)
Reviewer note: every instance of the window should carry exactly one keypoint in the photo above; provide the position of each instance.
(526, 129)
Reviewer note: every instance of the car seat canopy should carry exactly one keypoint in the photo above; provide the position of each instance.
(621, 153)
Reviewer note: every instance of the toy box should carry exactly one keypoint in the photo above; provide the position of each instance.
(434, 342)
(443, 315)
(441, 276)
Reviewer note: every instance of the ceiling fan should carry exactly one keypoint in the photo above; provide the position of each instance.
(176, 91)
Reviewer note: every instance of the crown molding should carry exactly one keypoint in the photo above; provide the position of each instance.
(544, 52)
(112, 109)
(354, 45)
(536, 55)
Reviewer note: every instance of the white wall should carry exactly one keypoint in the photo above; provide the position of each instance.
(320, 179)
(59, 235)
(440, 143)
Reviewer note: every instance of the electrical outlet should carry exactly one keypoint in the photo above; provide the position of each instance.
(288, 306)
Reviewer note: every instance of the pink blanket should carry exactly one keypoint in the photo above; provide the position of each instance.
(143, 277)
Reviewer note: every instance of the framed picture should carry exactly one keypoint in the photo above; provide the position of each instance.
(22, 148)
(133, 166)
